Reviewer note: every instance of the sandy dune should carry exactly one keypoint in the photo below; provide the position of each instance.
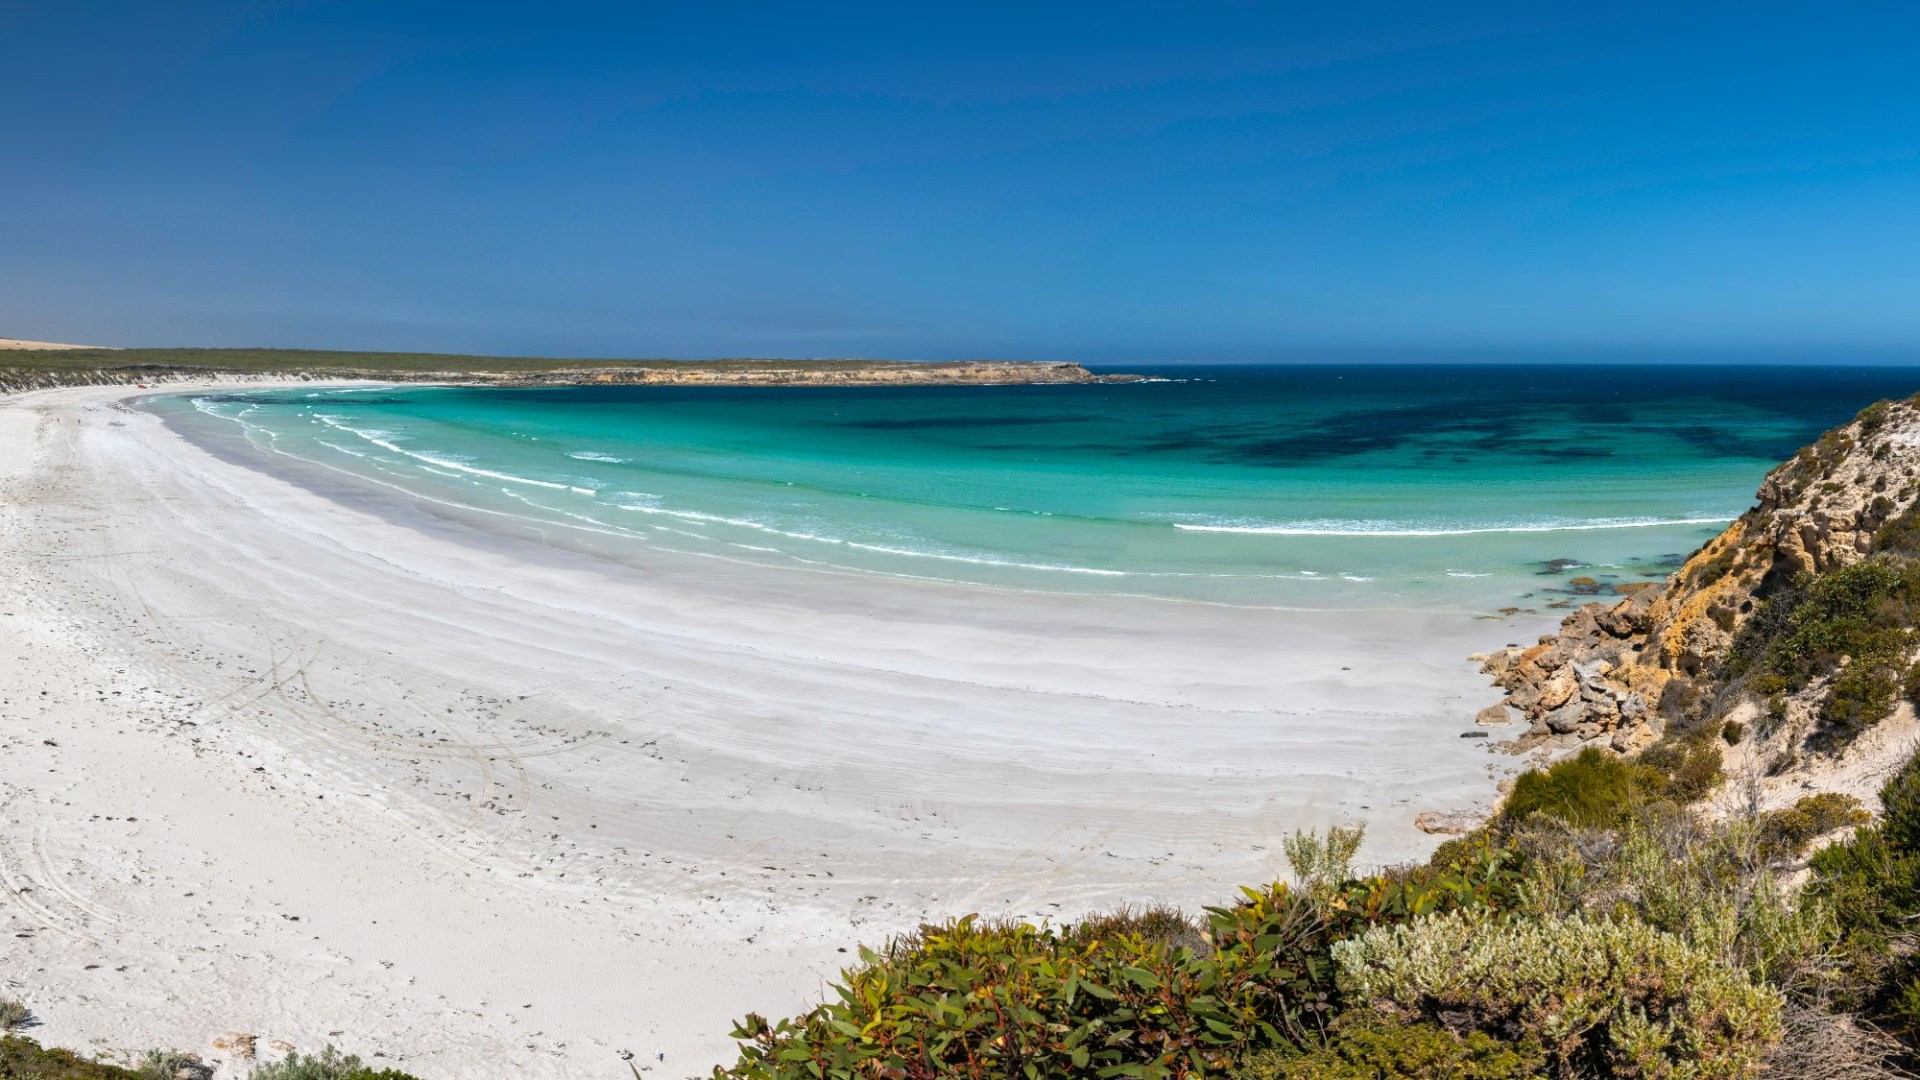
(16, 343)
(311, 765)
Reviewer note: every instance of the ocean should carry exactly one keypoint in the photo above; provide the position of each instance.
(1465, 488)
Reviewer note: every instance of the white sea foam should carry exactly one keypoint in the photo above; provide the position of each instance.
(697, 516)
(984, 561)
(694, 516)
(384, 440)
(595, 455)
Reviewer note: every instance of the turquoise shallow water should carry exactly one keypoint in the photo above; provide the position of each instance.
(1465, 488)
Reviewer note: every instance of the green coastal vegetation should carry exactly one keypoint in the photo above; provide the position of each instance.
(22, 369)
(21, 1058)
(1604, 924)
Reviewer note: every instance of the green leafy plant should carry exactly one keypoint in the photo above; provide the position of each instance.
(1871, 882)
(1900, 533)
(975, 999)
(1125, 995)
(1691, 767)
(1322, 862)
(1788, 832)
(22, 1058)
(1366, 1046)
(1854, 624)
(329, 1064)
(1592, 789)
(173, 1065)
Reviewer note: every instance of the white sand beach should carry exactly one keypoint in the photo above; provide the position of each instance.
(319, 767)
(19, 343)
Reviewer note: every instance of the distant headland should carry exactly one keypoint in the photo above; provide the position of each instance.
(34, 365)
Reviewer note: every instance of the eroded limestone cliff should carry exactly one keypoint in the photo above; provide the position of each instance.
(1605, 674)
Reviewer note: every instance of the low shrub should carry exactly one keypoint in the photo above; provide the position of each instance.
(14, 1014)
(979, 1000)
(1160, 923)
(329, 1064)
(1864, 613)
(1711, 571)
(1872, 885)
(1900, 807)
(1125, 995)
(1592, 789)
(1871, 882)
(1865, 690)
(1323, 862)
(173, 1065)
(1697, 880)
(22, 1058)
(1691, 768)
(1803, 632)
(1910, 685)
(1786, 833)
(1365, 1046)
(1900, 533)
(1617, 998)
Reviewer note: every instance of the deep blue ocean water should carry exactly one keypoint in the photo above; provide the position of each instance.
(1453, 487)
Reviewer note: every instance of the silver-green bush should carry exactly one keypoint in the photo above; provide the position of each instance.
(1610, 995)
(1707, 882)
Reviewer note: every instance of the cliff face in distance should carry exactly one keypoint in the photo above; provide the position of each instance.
(1674, 652)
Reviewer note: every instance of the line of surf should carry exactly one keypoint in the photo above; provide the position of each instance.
(446, 463)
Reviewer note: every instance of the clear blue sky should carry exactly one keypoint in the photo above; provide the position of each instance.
(1101, 181)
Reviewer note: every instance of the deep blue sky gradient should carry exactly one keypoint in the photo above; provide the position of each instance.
(1103, 181)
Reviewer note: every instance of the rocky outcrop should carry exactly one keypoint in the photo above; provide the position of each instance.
(1603, 674)
(1449, 822)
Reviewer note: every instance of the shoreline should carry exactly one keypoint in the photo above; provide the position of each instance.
(642, 800)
